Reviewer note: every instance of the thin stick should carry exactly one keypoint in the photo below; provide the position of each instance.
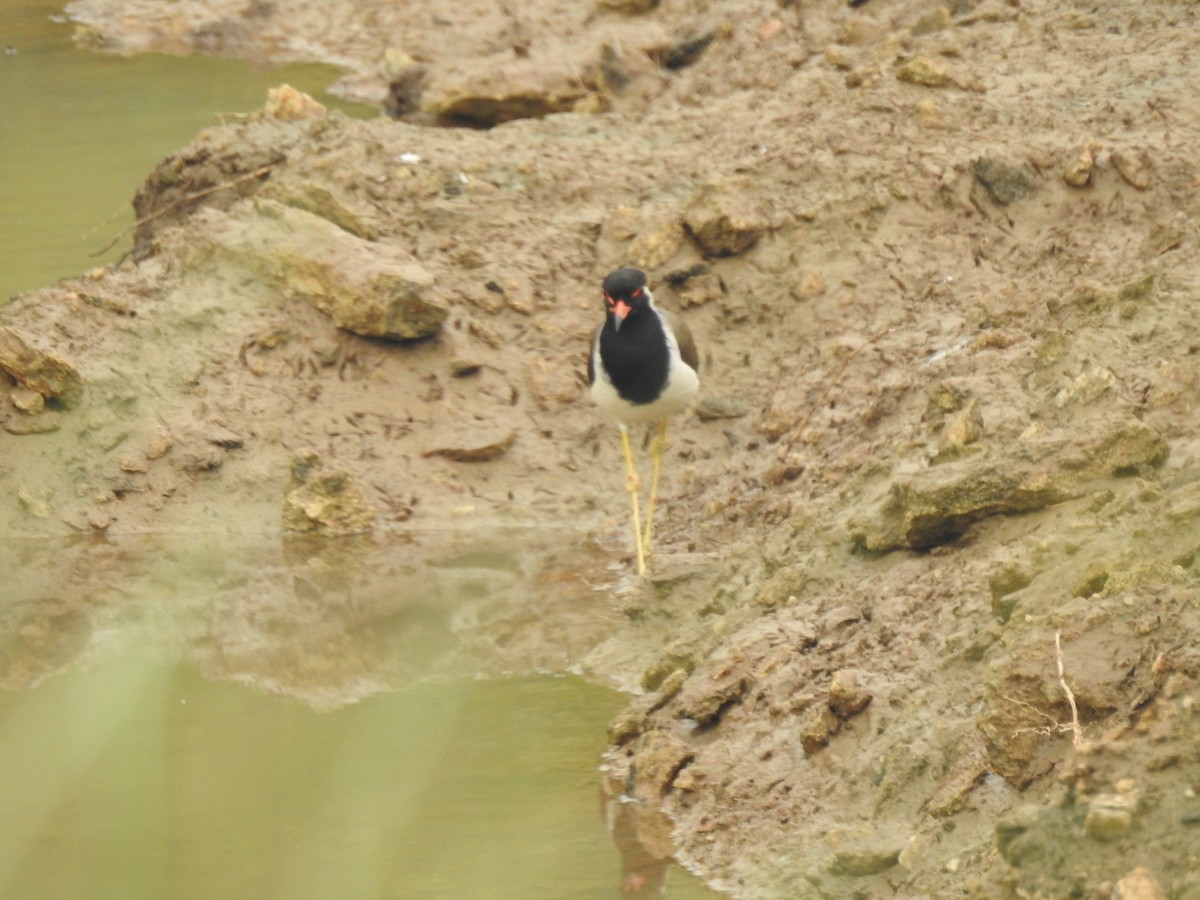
(257, 173)
(1062, 680)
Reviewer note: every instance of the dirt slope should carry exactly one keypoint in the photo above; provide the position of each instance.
(943, 260)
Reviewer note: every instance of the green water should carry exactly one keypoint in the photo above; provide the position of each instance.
(79, 132)
(162, 732)
(152, 743)
(141, 780)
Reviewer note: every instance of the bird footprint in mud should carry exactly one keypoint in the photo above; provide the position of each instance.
(303, 359)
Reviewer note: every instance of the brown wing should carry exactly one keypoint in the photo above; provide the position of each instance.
(683, 337)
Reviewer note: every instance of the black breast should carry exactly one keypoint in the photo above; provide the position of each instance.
(636, 358)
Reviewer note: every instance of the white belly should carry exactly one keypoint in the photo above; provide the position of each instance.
(680, 391)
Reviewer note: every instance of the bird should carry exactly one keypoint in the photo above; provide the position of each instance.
(643, 368)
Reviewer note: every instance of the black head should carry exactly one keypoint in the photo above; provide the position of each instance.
(623, 284)
(625, 292)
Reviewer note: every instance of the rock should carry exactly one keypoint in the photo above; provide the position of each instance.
(847, 697)
(925, 512)
(324, 501)
(1079, 169)
(663, 670)
(325, 201)
(99, 520)
(200, 459)
(628, 724)
(220, 436)
(1123, 448)
(38, 370)
(1008, 579)
(406, 82)
(27, 401)
(362, 286)
(1110, 816)
(1095, 577)
(926, 72)
(1005, 585)
(704, 700)
(968, 768)
(1018, 836)
(1184, 503)
(485, 96)
(931, 22)
(41, 424)
(1132, 170)
(1087, 387)
(685, 51)
(861, 861)
(818, 726)
(160, 445)
(656, 245)
(965, 429)
(658, 758)
(1005, 181)
(35, 501)
(937, 506)
(712, 408)
(628, 7)
(632, 720)
(811, 285)
(475, 445)
(927, 113)
(865, 849)
(464, 364)
(482, 109)
(290, 105)
(1139, 884)
(1136, 291)
(724, 220)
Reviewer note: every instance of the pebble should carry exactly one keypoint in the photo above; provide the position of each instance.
(1131, 170)
(723, 407)
(290, 105)
(722, 219)
(1109, 816)
(818, 728)
(846, 696)
(475, 447)
(1006, 181)
(1079, 170)
(628, 7)
(864, 862)
(926, 72)
(1139, 884)
(27, 401)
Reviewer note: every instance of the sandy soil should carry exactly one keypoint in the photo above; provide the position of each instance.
(943, 261)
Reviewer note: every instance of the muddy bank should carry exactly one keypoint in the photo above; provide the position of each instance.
(943, 264)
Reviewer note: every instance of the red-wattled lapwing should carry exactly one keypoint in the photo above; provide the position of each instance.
(642, 369)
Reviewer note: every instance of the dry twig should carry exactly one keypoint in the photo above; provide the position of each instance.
(1076, 731)
(224, 185)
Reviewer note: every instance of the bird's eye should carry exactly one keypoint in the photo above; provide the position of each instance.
(636, 293)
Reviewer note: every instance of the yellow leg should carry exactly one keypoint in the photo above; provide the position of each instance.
(633, 485)
(656, 452)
